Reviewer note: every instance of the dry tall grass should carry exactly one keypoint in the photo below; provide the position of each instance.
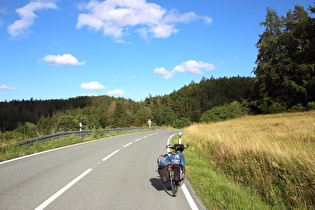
(275, 154)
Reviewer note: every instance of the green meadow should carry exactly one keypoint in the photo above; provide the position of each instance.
(254, 162)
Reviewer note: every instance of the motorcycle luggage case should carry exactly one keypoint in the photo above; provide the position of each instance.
(164, 174)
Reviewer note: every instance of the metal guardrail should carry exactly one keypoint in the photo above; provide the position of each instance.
(83, 134)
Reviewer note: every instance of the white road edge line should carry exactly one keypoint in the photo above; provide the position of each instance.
(51, 150)
(65, 188)
(110, 155)
(128, 144)
(169, 141)
(39, 153)
(190, 200)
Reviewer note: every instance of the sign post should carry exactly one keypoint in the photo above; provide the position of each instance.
(180, 138)
(80, 126)
(149, 122)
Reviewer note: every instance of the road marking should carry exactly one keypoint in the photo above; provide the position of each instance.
(110, 155)
(138, 139)
(145, 136)
(60, 148)
(128, 144)
(169, 141)
(65, 188)
(190, 200)
(39, 153)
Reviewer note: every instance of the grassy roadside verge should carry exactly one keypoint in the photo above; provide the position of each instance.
(15, 151)
(215, 189)
(254, 162)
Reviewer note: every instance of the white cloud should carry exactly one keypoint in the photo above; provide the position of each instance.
(90, 95)
(27, 15)
(65, 59)
(115, 16)
(120, 41)
(166, 74)
(194, 67)
(163, 31)
(143, 33)
(207, 19)
(116, 92)
(185, 18)
(4, 87)
(191, 66)
(92, 86)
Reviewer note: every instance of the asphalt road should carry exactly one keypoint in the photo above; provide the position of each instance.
(112, 173)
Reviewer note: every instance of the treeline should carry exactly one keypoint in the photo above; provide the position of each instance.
(284, 81)
(187, 105)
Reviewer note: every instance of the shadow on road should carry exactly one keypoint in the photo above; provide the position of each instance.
(157, 184)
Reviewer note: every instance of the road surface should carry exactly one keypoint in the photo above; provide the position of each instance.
(112, 173)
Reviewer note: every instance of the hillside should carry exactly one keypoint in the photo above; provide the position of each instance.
(189, 102)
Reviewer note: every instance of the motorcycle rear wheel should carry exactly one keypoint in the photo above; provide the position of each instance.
(174, 186)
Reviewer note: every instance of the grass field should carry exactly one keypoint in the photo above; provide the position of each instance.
(255, 162)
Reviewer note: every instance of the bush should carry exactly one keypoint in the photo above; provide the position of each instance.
(271, 107)
(28, 129)
(220, 113)
(178, 124)
(181, 123)
(11, 137)
(311, 105)
(297, 108)
(67, 123)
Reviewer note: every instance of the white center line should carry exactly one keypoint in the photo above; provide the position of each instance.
(65, 188)
(110, 155)
(128, 144)
(138, 139)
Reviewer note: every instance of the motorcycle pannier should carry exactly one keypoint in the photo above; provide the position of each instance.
(163, 174)
(177, 172)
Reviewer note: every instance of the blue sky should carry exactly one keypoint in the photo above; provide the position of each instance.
(59, 49)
